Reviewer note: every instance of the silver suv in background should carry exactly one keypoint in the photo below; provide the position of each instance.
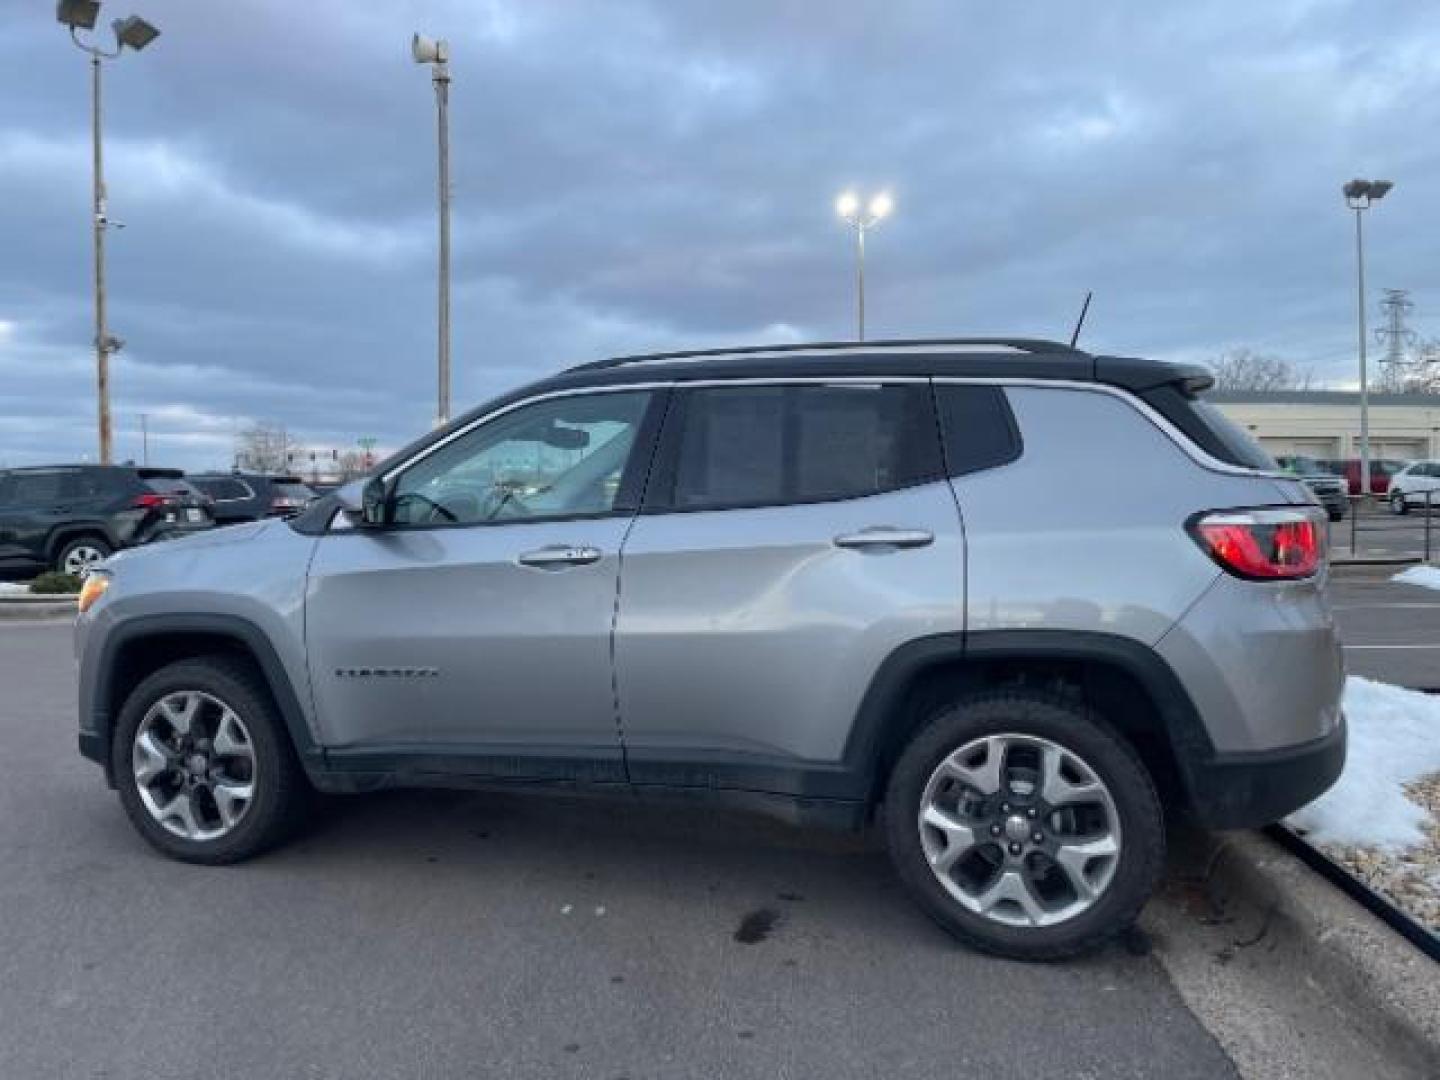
(829, 582)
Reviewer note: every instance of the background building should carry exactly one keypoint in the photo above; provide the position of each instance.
(1326, 423)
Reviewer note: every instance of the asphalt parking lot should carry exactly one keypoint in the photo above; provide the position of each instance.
(481, 935)
(1391, 631)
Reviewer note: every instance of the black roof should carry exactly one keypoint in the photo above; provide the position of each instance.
(1018, 358)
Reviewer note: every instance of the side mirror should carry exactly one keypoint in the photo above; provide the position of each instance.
(375, 503)
(364, 502)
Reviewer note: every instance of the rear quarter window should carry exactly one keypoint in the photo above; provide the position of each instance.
(1209, 428)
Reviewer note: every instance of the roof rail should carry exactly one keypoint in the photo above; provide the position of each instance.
(1028, 345)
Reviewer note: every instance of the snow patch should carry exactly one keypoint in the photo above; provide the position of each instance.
(1394, 738)
(1427, 577)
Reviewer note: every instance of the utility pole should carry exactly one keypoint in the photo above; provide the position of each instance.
(436, 53)
(144, 439)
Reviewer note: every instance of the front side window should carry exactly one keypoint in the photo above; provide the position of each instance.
(564, 457)
(767, 445)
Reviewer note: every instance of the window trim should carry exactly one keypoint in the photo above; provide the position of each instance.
(633, 479)
(665, 468)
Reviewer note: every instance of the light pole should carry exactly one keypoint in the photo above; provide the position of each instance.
(136, 33)
(1359, 195)
(436, 53)
(862, 217)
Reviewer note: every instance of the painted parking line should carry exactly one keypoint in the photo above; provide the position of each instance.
(1390, 646)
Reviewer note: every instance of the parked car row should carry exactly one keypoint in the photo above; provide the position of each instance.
(70, 517)
(1406, 484)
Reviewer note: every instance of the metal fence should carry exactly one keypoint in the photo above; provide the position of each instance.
(1376, 532)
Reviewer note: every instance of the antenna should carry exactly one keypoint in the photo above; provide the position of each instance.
(1084, 310)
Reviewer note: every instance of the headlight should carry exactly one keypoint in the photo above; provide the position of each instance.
(95, 587)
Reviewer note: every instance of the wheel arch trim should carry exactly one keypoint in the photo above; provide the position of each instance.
(1189, 740)
(98, 688)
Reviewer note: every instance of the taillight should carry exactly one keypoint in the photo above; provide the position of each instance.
(1263, 545)
(149, 501)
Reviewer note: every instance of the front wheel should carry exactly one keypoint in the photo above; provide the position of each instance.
(1398, 504)
(1025, 826)
(203, 763)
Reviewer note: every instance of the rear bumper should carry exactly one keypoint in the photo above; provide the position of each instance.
(1233, 791)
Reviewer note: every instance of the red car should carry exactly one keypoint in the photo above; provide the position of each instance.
(1381, 469)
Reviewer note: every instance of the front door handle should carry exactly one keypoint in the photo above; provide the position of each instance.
(557, 556)
(885, 537)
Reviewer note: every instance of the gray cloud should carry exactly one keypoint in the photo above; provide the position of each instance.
(637, 175)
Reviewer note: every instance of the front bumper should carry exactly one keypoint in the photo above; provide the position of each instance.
(1236, 791)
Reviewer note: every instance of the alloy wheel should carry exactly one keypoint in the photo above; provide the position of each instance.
(194, 765)
(1020, 830)
(81, 559)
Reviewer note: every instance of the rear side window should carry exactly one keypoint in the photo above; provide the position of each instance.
(1209, 428)
(978, 428)
(36, 488)
(224, 490)
(743, 446)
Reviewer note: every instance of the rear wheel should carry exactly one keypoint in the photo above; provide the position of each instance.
(1397, 503)
(1024, 825)
(81, 555)
(203, 763)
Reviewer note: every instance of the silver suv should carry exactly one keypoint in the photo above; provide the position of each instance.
(1022, 599)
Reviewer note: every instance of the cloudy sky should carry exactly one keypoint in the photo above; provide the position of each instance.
(632, 175)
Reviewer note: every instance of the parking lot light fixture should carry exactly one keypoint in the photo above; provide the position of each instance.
(134, 33)
(1360, 195)
(862, 217)
(78, 14)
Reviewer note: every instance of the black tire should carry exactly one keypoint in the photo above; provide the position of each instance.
(281, 789)
(1078, 730)
(79, 543)
(1398, 504)
(1337, 515)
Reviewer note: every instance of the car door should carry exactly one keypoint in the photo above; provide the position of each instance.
(793, 536)
(33, 507)
(475, 627)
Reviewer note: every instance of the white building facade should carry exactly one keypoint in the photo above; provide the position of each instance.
(1326, 423)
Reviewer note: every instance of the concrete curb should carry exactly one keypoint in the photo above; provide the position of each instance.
(36, 607)
(1325, 937)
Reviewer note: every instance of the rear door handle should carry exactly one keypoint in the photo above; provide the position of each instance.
(885, 537)
(557, 556)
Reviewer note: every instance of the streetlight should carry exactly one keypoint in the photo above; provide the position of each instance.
(436, 53)
(1359, 195)
(135, 33)
(862, 217)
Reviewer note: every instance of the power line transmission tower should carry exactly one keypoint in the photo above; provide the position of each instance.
(1397, 338)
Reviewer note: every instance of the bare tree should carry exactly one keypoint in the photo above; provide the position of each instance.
(1245, 369)
(265, 447)
(352, 465)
